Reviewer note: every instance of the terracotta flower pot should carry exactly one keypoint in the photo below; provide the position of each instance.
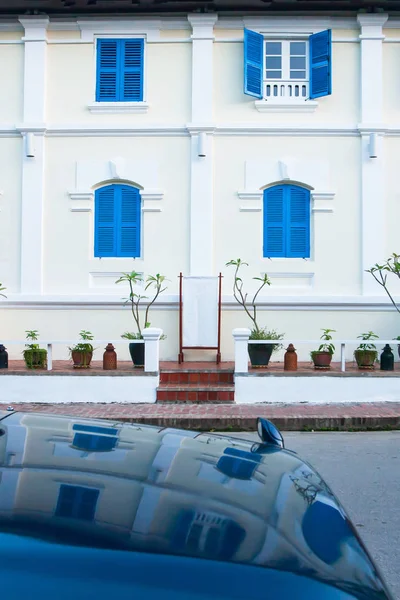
(322, 360)
(365, 358)
(81, 360)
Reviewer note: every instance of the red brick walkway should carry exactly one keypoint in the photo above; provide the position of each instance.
(235, 417)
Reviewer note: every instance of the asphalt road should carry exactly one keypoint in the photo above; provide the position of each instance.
(363, 470)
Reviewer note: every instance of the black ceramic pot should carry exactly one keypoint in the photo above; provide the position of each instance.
(260, 354)
(137, 355)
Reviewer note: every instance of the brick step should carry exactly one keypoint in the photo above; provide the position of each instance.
(206, 377)
(193, 393)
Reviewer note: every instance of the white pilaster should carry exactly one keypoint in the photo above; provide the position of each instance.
(201, 191)
(241, 336)
(34, 103)
(151, 337)
(372, 172)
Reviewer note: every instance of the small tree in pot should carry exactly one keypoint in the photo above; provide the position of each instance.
(82, 352)
(260, 354)
(154, 282)
(322, 357)
(380, 274)
(366, 354)
(2, 290)
(34, 356)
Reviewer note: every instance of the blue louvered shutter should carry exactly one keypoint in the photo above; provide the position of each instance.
(132, 71)
(128, 217)
(253, 63)
(320, 64)
(298, 212)
(105, 231)
(274, 222)
(107, 71)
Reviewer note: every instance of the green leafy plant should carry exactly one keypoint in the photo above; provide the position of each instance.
(34, 356)
(249, 306)
(380, 274)
(370, 335)
(84, 344)
(327, 346)
(2, 290)
(154, 282)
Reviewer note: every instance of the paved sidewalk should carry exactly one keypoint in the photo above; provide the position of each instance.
(289, 417)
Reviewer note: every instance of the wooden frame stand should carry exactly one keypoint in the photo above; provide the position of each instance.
(181, 346)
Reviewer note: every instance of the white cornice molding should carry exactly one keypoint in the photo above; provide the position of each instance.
(147, 195)
(322, 195)
(194, 129)
(152, 195)
(294, 24)
(302, 106)
(202, 26)
(35, 28)
(116, 108)
(93, 27)
(250, 195)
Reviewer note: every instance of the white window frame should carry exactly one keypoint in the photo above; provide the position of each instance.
(286, 102)
(118, 107)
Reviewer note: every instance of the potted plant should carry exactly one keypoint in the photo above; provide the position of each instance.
(2, 290)
(34, 356)
(398, 345)
(322, 357)
(366, 354)
(259, 354)
(153, 282)
(82, 352)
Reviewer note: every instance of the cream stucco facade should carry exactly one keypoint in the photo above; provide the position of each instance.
(197, 212)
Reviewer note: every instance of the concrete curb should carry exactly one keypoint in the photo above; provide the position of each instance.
(233, 417)
(294, 423)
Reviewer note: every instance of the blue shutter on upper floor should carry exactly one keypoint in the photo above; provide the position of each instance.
(253, 63)
(105, 230)
(274, 222)
(298, 212)
(320, 64)
(107, 71)
(132, 71)
(128, 218)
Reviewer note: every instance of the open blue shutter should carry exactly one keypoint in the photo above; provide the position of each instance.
(320, 64)
(298, 245)
(105, 232)
(132, 71)
(253, 63)
(107, 69)
(128, 217)
(274, 222)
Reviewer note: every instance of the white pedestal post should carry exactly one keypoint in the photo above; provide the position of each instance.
(241, 336)
(151, 337)
(32, 130)
(372, 172)
(201, 187)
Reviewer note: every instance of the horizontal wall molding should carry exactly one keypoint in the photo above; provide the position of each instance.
(171, 302)
(183, 130)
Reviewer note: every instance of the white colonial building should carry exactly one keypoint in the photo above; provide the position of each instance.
(168, 143)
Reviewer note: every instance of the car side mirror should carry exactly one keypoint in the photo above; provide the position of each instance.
(269, 434)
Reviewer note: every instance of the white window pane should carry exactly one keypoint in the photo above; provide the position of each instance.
(297, 74)
(298, 62)
(297, 48)
(273, 48)
(274, 74)
(275, 62)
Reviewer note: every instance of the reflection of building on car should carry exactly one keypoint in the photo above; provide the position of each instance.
(171, 495)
